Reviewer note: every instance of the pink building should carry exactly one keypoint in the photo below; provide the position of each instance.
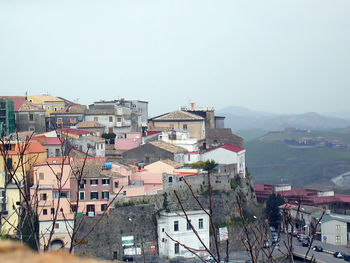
(50, 194)
(91, 196)
(127, 141)
(51, 188)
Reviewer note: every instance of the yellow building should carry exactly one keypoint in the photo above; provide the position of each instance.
(47, 102)
(15, 165)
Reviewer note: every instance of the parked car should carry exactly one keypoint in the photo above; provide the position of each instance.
(305, 243)
(317, 248)
(337, 255)
(177, 260)
(127, 258)
(266, 244)
(346, 257)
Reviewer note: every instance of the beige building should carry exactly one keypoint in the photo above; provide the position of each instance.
(180, 120)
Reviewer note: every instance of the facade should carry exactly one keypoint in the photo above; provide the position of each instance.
(335, 229)
(179, 138)
(50, 104)
(30, 117)
(70, 116)
(227, 154)
(136, 105)
(95, 188)
(176, 226)
(93, 145)
(180, 120)
(114, 120)
(10, 193)
(51, 193)
(7, 117)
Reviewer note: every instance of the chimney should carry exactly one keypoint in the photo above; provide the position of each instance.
(192, 105)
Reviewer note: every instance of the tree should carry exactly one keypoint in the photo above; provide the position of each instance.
(272, 209)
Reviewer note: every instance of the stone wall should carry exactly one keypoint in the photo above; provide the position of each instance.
(137, 216)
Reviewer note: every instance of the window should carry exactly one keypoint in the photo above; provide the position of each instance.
(124, 192)
(44, 211)
(176, 225)
(82, 184)
(189, 157)
(59, 121)
(41, 176)
(200, 223)
(110, 130)
(177, 248)
(105, 181)
(74, 208)
(94, 195)
(185, 127)
(81, 195)
(95, 118)
(119, 119)
(55, 109)
(94, 182)
(110, 119)
(337, 239)
(189, 225)
(57, 225)
(31, 117)
(163, 230)
(48, 107)
(52, 211)
(337, 227)
(43, 197)
(57, 152)
(103, 207)
(170, 179)
(64, 194)
(9, 163)
(105, 195)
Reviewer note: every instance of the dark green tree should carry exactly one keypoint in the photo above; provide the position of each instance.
(272, 210)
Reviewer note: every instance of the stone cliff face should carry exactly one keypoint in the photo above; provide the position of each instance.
(137, 217)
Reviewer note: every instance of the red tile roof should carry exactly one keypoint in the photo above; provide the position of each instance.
(228, 147)
(32, 147)
(49, 140)
(74, 131)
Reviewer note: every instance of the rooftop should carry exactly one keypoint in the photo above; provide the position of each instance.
(228, 147)
(74, 131)
(89, 124)
(49, 140)
(168, 147)
(177, 116)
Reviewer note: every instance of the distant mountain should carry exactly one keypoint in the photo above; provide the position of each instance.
(238, 118)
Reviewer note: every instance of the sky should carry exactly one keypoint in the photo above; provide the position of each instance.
(289, 56)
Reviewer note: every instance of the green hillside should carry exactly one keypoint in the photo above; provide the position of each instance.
(270, 160)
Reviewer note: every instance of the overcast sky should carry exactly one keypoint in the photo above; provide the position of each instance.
(276, 56)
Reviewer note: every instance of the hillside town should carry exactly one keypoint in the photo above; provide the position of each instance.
(107, 180)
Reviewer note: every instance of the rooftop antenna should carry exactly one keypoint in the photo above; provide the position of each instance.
(26, 95)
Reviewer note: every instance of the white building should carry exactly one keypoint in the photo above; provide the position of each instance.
(180, 138)
(176, 226)
(61, 237)
(335, 229)
(227, 154)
